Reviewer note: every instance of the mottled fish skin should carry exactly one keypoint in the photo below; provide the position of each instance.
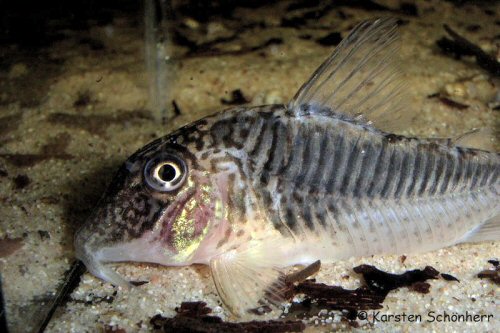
(250, 191)
(371, 191)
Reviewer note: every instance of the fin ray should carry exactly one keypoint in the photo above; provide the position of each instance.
(361, 79)
(246, 277)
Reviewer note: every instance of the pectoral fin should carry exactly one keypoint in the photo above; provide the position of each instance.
(244, 278)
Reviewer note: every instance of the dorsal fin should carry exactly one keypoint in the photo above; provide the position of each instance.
(361, 79)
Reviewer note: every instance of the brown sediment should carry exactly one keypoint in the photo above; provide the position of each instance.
(24, 160)
(84, 98)
(21, 181)
(460, 46)
(491, 274)
(44, 234)
(308, 18)
(382, 282)
(95, 123)
(55, 148)
(217, 52)
(214, 47)
(453, 104)
(237, 98)
(177, 109)
(9, 246)
(194, 317)
(473, 27)
(332, 39)
(337, 298)
(113, 329)
(420, 287)
(448, 102)
(449, 277)
(303, 274)
(494, 262)
(50, 200)
(370, 296)
(138, 283)
(93, 300)
(9, 123)
(94, 44)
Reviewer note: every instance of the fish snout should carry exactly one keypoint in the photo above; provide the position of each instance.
(90, 256)
(88, 243)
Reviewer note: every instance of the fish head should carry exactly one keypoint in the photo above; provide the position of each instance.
(162, 206)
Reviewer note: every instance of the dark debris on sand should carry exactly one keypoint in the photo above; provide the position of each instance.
(370, 296)
(55, 148)
(449, 277)
(237, 98)
(382, 283)
(491, 274)
(453, 104)
(194, 317)
(338, 298)
(459, 46)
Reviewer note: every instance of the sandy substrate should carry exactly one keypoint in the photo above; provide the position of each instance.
(68, 119)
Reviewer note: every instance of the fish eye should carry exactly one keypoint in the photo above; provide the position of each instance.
(165, 173)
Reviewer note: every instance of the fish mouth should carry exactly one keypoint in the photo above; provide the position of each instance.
(86, 252)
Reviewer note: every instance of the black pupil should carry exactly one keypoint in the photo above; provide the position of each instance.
(167, 173)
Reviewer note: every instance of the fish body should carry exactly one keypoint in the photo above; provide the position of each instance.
(251, 191)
